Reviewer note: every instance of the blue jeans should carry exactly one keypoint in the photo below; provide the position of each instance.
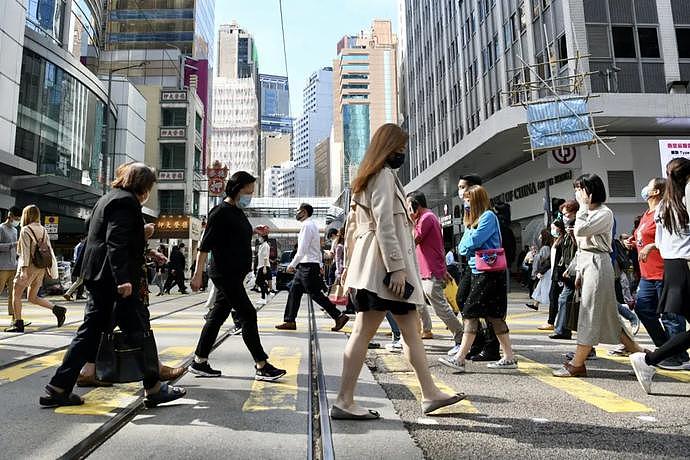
(394, 326)
(563, 299)
(648, 295)
(675, 324)
(625, 312)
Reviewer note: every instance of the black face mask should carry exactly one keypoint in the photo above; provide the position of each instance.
(396, 160)
(299, 216)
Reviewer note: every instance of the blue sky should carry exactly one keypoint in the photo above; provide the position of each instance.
(312, 30)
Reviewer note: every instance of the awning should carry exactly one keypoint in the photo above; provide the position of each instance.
(57, 187)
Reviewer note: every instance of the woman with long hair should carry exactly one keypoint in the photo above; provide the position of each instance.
(379, 248)
(673, 242)
(598, 319)
(29, 276)
(488, 296)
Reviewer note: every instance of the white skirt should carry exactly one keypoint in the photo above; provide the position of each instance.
(541, 291)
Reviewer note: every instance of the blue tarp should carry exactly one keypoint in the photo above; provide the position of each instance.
(551, 124)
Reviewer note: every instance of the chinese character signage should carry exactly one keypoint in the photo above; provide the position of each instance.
(172, 227)
(671, 149)
(173, 133)
(173, 96)
(171, 176)
(216, 178)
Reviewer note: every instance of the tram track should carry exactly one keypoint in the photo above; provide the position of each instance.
(64, 347)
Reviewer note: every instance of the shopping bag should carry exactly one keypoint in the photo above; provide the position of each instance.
(123, 358)
(451, 292)
(338, 295)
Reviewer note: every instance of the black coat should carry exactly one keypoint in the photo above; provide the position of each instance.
(177, 260)
(115, 243)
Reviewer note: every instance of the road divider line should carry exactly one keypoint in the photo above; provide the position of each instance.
(102, 401)
(581, 389)
(30, 367)
(281, 394)
(681, 376)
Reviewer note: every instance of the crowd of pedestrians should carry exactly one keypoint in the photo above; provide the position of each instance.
(389, 261)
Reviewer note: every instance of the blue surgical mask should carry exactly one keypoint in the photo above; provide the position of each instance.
(555, 234)
(15, 223)
(243, 201)
(645, 193)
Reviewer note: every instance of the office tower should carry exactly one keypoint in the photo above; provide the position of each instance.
(364, 95)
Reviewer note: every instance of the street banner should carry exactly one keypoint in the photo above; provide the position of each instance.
(670, 149)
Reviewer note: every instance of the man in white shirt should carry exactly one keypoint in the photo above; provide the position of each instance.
(306, 265)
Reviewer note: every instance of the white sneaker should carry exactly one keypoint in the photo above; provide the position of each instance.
(454, 351)
(452, 363)
(643, 371)
(503, 363)
(395, 346)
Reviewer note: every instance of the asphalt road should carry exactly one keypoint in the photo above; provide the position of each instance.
(522, 413)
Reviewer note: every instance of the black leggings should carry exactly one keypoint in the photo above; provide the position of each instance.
(676, 344)
(231, 296)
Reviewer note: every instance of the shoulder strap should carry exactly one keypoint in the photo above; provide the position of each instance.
(498, 225)
(28, 227)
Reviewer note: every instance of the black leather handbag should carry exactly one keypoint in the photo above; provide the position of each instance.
(124, 358)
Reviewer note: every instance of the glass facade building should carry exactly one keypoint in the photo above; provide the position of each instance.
(275, 104)
(157, 24)
(356, 136)
(60, 122)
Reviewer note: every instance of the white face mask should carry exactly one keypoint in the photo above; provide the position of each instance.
(15, 223)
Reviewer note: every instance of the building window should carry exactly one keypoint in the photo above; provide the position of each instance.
(623, 42)
(562, 51)
(649, 42)
(197, 124)
(173, 156)
(174, 116)
(171, 202)
(197, 160)
(60, 123)
(46, 18)
(683, 40)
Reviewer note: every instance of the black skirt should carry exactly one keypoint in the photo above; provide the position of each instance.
(464, 285)
(488, 297)
(675, 295)
(364, 300)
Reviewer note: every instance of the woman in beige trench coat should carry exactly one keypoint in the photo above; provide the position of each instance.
(379, 242)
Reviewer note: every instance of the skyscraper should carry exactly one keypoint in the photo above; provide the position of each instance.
(275, 104)
(364, 95)
(236, 92)
(311, 128)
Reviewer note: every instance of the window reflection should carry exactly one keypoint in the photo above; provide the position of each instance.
(59, 123)
(45, 17)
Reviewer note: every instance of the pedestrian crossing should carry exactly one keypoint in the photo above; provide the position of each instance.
(282, 394)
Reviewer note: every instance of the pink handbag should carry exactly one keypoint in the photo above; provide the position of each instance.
(491, 260)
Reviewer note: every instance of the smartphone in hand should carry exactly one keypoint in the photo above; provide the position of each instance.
(409, 289)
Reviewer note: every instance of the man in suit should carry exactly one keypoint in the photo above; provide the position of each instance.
(112, 270)
(176, 266)
(306, 265)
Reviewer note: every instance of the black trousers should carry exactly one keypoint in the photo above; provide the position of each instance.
(308, 280)
(231, 296)
(177, 278)
(130, 315)
(262, 280)
(554, 293)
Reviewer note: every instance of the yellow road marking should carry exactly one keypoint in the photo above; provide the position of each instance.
(30, 367)
(279, 395)
(681, 376)
(102, 401)
(581, 389)
(401, 370)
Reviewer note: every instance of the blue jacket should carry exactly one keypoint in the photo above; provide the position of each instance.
(487, 235)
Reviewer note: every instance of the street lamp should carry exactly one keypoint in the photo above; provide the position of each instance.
(108, 147)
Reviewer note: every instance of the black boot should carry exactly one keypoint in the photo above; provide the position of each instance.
(478, 344)
(60, 313)
(18, 326)
(491, 349)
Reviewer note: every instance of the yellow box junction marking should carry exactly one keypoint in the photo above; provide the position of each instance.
(681, 376)
(30, 367)
(102, 401)
(281, 394)
(402, 371)
(581, 389)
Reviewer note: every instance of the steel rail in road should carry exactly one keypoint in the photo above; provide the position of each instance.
(320, 436)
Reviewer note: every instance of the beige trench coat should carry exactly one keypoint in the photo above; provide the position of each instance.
(379, 239)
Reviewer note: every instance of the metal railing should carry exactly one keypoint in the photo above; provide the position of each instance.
(320, 442)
